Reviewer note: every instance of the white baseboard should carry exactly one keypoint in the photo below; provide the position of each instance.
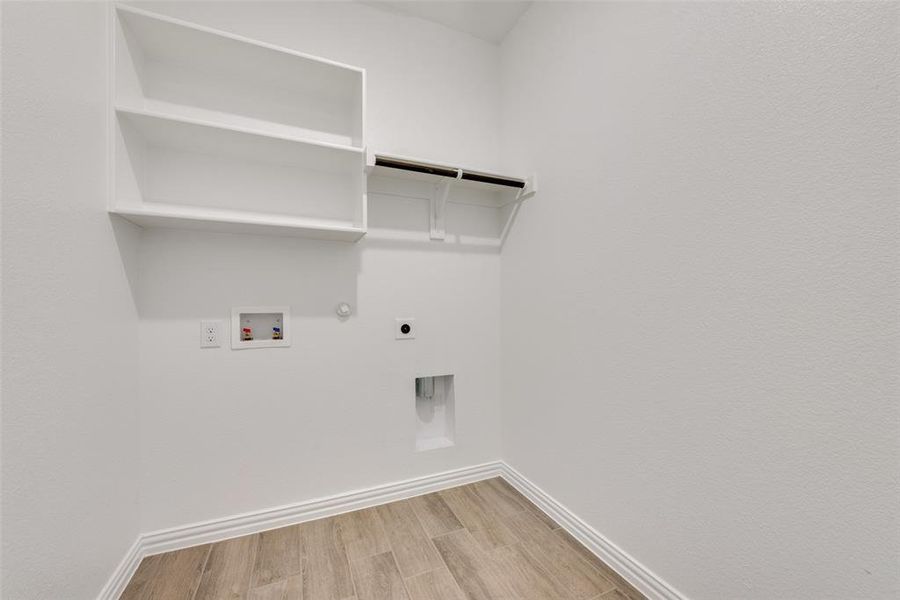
(221, 529)
(642, 578)
(122, 575)
(271, 518)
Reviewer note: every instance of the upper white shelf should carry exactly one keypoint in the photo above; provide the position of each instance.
(210, 130)
(176, 67)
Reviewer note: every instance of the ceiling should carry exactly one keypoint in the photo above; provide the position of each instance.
(490, 21)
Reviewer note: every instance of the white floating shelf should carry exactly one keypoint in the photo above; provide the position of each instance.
(481, 187)
(163, 129)
(440, 184)
(214, 131)
(240, 123)
(156, 214)
(231, 78)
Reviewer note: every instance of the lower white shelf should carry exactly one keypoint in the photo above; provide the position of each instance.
(152, 214)
(170, 171)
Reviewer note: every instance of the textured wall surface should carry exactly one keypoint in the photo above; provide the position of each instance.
(227, 432)
(699, 332)
(700, 309)
(69, 338)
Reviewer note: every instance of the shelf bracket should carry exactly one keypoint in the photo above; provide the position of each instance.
(512, 208)
(439, 207)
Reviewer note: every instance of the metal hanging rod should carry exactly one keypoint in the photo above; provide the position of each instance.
(445, 171)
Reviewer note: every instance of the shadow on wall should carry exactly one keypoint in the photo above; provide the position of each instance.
(401, 219)
(192, 274)
(176, 273)
(182, 273)
(128, 241)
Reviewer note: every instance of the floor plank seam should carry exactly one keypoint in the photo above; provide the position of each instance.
(430, 539)
(353, 578)
(561, 584)
(202, 571)
(402, 578)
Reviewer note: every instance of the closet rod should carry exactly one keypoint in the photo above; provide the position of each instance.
(444, 171)
(493, 179)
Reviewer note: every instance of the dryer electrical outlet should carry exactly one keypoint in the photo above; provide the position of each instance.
(405, 329)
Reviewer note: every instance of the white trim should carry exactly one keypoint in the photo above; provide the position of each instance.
(642, 578)
(272, 518)
(123, 573)
(215, 530)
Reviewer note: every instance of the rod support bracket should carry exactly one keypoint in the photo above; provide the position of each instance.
(530, 189)
(439, 207)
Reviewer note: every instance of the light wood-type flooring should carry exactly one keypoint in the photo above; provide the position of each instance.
(482, 541)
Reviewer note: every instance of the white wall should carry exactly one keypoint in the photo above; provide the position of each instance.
(700, 310)
(226, 432)
(69, 338)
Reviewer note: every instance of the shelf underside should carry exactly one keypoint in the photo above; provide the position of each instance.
(155, 214)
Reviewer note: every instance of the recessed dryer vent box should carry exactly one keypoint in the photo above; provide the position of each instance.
(435, 412)
(260, 327)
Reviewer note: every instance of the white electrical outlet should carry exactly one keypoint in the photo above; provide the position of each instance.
(405, 329)
(209, 334)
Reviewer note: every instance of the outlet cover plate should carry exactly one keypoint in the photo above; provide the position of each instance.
(398, 329)
(210, 332)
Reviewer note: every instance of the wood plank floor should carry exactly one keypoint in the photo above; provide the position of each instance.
(483, 541)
